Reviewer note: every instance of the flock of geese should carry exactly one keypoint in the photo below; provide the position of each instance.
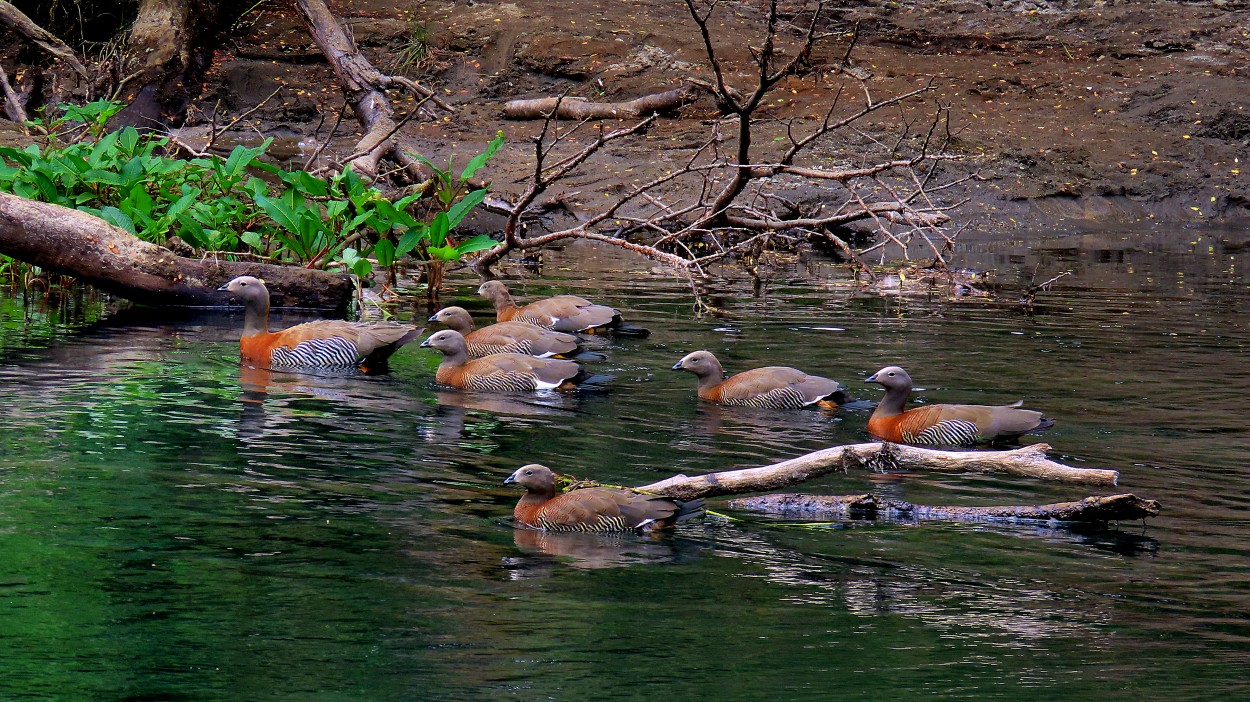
(528, 349)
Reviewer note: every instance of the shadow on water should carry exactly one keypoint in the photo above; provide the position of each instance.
(176, 526)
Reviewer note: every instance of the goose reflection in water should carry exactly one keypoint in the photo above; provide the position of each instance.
(545, 551)
(264, 397)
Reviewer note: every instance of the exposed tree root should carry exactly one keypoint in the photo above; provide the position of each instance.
(13, 106)
(365, 86)
(16, 19)
(170, 46)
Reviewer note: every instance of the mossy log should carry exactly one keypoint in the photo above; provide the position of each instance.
(75, 243)
(1028, 461)
(1093, 510)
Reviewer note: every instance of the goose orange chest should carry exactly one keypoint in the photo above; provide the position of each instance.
(501, 372)
(945, 425)
(595, 509)
(325, 344)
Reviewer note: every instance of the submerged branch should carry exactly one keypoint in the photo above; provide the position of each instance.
(1095, 509)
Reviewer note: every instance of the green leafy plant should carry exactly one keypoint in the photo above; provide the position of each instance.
(221, 205)
(456, 201)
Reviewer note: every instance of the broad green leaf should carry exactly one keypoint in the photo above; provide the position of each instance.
(438, 229)
(481, 242)
(480, 160)
(103, 150)
(191, 231)
(404, 202)
(280, 212)
(442, 253)
(241, 157)
(252, 239)
(117, 218)
(21, 158)
(96, 175)
(440, 174)
(128, 139)
(335, 209)
(384, 251)
(132, 170)
(311, 184)
(176, 209)
(356, 222)
(461, 208)
(409, 240)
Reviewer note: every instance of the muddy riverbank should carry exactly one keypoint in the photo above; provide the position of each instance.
(1076, 110)
(1081, 110)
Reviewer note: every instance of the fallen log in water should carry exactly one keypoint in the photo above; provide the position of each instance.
(1089, 510)
(75, 243)
(580, 108)
(1028, 461)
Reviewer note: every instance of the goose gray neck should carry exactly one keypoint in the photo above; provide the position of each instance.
(710, 377)
(256, 311)
(894, 401)
(455, 354)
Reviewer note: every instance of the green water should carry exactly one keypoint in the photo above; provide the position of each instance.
(175, 529)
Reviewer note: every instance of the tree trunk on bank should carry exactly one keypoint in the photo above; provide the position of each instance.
(365, 88)
(75, 243)
(1028, 461)
(170, 47)
(1091, 510)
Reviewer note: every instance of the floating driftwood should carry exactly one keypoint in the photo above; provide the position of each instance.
(1089, 510)
(580, 108)
(1028, 461)
(75, 243)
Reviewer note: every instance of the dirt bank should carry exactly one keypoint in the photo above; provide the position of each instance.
(1070, 109)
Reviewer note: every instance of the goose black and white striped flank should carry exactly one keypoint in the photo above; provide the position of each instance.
(603, 523)
(779, 398)
(331, 352)
(537, 320)
(504, 382)
(480, 350)
(949, 432)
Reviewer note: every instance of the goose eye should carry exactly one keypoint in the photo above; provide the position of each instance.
(892, 374)
(529, 472)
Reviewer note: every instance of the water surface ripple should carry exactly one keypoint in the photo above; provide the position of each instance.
(176, 527)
